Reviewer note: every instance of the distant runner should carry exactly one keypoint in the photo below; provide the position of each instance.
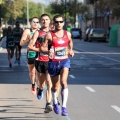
(10, 44)
(17, 32)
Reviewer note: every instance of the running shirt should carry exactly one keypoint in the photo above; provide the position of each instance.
(30, 53)
(10, 41)
(17, 34)
(60, 46)
(41, 56)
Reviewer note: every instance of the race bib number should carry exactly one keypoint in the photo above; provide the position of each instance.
(61, 53)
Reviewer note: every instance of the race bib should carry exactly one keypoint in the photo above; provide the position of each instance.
(31, 54)
(61, 53)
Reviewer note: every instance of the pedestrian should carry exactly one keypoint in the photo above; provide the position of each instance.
(60, 46)
(10, 45)
(17, 32)
(41, 62)
(31, 55)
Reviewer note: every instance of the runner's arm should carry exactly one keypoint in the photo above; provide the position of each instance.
(24, 38)
(71, 52)
(47, 41)
(31, 45)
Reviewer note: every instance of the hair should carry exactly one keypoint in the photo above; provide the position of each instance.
(33, 18)
(57, 16)
(17, 22)
(44, 15)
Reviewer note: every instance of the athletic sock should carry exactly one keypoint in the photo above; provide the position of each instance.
(64, 94)
(33, 85)
(54, 94)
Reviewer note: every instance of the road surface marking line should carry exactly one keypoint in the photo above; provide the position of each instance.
(68, 118)
(83, 51)
(116, 108)
(71, 76)
(90, 89)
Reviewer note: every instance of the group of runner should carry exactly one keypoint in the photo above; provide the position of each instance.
(48, 51)
(13, 37)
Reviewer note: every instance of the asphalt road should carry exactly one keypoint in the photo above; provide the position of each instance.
(94, 85)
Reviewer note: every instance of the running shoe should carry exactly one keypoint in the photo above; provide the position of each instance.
(40, 94)
(64, 111)
(48, 108)
(56, 108)
(33, 90)
(10, 65)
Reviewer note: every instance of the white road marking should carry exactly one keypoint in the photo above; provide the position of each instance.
(116, 108)
(98, 54)
(71, 76)
(90, 89)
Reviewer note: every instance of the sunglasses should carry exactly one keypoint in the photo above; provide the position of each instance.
(34, 22)
(59, 22)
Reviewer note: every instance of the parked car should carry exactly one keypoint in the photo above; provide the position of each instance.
(97, 34)
(86, 34)
(75, 32)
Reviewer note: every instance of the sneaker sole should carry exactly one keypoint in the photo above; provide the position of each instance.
(48, 109)
(64, 114)
(33, 92)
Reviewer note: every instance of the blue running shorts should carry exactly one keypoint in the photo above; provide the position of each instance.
(54, 68)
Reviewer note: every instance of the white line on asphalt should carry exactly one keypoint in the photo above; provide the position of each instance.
(116, 108)
(98, 54)
(90, 89)
(71, 76)
(68, 118)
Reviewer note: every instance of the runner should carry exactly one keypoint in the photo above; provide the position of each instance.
(61, 46)
(52, 28)
(17, 31)
(41, 63)
(26, 37)
(10, 45)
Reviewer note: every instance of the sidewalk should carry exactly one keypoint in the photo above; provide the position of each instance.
(16, 99)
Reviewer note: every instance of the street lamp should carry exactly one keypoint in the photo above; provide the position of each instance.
(27, 14)
(0, 11)
(65, 14)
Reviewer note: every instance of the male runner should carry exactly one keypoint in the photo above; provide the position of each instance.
(41, 63)
(31, 55)
(17, 32)
(10, 45)
(61, 46)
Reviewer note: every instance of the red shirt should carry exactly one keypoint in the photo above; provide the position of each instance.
(60, 46)
(41, 56)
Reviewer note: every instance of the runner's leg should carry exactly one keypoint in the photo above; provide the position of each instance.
(32, 77)
(64, 91)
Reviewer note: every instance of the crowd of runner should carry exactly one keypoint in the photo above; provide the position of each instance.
(48, 50)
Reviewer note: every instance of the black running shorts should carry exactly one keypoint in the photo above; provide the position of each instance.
(30, 60)
(41, 66)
